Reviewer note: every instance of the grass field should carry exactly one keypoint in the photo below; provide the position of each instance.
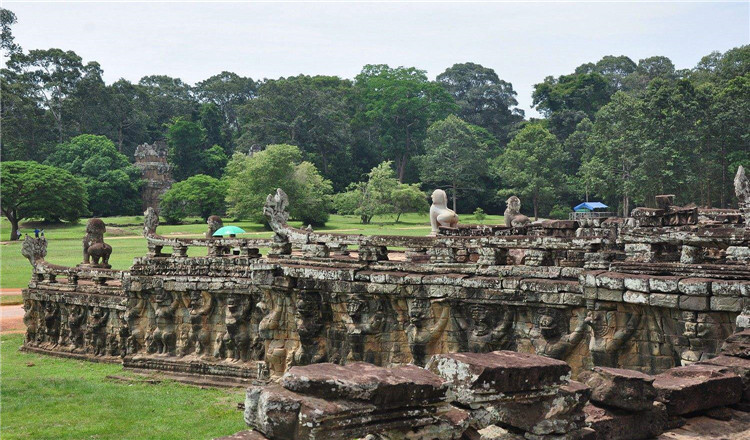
(124, 234)
(51, 398)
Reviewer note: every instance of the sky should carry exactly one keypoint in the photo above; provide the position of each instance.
(522, 42)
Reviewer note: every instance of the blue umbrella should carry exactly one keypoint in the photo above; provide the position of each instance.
(228, 230)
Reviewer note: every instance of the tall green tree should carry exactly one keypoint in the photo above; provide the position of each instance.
(229, 91)
(190, 153)
(199, 195)
(455, 157)
(312, 113)
(252, 178)
(112, 183)
(532, 166)
(31, 190)
(483, 98)
(402, 103)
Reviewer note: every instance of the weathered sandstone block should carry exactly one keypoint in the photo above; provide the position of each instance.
(614, 424)
(619, 388)
(697, 387)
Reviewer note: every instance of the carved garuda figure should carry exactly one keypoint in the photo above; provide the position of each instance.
(96, 331)
(235, 343)
(51, 322)
(163, 338)
(554, 341)
(132, 332)
(200, 305)
(31, 320)
(419, 333)
(75, 323)
(34, 249)
(94, 246)
(309, 320)
(512, 214)
(150, 222)
(362, 321)
(606, 340)
(483, 331)
(269, 330)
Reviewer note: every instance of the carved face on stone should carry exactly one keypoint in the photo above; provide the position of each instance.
(418, 310)
(549, 324)
(308, 315)
(233, 303)
(698, 328)
(356, 307)
(602, 322)
(163, 297)
(439, 198)
(481, 318)
(98, 312)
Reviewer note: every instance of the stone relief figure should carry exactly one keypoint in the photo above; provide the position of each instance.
(512, 214)
(96, 331)
(362, 321)
(235, 343)
(485, 331)
(552, 326)
(308, 318)
(700, 332)
(419, 333)
(31, 320)
(51, 322)
(606, 341)
(214, 224)
(76, 324)
(199, 305)
(132, 332)
(163, 337)
(94, 246)
(268, 329)
(34, 249)
(440, 215)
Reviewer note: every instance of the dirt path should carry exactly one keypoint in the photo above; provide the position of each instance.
(8, 292)
(11, 319)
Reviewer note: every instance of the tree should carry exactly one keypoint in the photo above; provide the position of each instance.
(7, 41)
(402, 102)
(408, 198)
(212, 122)
(380, 194)
(189, 153)
(309, 112)
(128, 105)
(483, 98)
(455, 157)
(51, 76)
(32, 190)
(199, 195)
(531, 166)
(167, 99)
(251, 178)
(112, 183)
(614, 68)
(229, 91)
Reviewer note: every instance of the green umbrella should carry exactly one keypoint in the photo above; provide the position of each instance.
(228, 230)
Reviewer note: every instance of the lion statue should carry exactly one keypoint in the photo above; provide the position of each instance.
(513, 216)
(440, 215)
(94, 246)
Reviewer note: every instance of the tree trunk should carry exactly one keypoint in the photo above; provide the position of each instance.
(401, 168)
(454, 197)
(13, 227)
(536, 207)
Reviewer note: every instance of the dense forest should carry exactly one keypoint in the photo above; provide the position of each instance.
(613, 130)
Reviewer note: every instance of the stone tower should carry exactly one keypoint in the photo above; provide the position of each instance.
(151, 159)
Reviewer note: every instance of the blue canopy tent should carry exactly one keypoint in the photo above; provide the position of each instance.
(589, 206)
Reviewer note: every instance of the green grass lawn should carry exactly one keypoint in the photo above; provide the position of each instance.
(124, 234)
(51, 398)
